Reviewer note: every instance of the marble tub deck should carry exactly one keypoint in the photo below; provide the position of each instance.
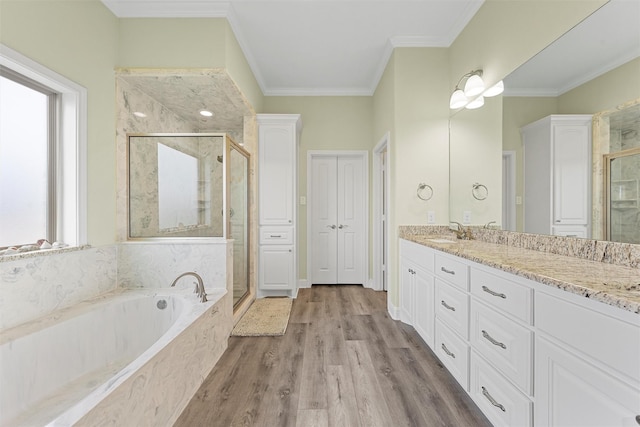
(611, 284)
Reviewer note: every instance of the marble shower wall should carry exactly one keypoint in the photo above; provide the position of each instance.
(158, 119)
(36, 284)
(144, 171)
(157, 264)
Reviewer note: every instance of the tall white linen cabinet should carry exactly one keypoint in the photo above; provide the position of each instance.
(557, 175)
(278, 139)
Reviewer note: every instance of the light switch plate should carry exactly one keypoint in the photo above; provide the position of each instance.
(431, 217)
(518, 200)
(466, 217)
(303, 200)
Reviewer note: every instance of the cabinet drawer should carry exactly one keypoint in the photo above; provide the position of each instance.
(453, 271)
(600, 336)
(496, 397)
(453, 352)
(504, 295)
(504, 343)
(452, 307)
(418, 254)
(276, 235)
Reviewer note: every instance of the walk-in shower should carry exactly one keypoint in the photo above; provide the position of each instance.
(191, 185)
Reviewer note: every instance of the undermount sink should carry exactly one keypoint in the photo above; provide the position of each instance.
(441, 241)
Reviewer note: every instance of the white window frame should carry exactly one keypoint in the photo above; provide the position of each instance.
(71, 156)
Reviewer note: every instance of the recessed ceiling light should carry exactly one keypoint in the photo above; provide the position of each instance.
(206, 113)
(139, 114)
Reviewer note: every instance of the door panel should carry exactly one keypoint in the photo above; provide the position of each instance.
(350, 220)
(323, 220)
(337, 241)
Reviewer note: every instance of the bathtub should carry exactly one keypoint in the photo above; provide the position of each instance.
(131, 357)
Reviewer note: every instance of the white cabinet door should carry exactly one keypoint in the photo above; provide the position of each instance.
(424, 315)
(573, 392)
(276, 267)
(571, 174)
(277, 174)
(407, 291)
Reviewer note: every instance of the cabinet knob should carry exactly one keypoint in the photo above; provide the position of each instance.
(638, 419)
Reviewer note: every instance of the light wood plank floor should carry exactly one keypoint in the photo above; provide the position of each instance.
(342, 362)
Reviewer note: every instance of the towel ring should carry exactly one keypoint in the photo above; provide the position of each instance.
(479, 191)
(421, 191)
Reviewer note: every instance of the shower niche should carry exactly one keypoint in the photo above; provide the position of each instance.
(190, 185)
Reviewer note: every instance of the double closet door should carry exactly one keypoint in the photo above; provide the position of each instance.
(337, 213)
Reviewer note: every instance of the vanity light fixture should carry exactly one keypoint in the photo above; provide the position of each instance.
(206, 113)
(474, 91)
(139, 114)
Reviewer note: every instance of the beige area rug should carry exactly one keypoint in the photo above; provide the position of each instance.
(265, 317)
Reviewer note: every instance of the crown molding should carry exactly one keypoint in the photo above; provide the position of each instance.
(353, 91)
(168, 8)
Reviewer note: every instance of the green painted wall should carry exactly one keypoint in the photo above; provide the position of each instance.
(79, 41)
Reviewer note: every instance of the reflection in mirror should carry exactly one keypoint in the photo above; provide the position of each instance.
(475, 154)
(622, 173)
(175, 186)
(591, 70)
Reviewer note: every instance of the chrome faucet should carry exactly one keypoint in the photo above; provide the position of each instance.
(461, 232)
(199, 286)
(488, 225)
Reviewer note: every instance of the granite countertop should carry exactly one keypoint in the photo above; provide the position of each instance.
(611, 284)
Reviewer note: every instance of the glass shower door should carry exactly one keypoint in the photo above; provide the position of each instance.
(238, 219)
(622, 171)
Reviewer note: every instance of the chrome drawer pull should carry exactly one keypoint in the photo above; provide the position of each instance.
(495, 294)
(275, 235)
(447, 306)
(492, 400)
(446, 350)
(447, 271)
(492, 341)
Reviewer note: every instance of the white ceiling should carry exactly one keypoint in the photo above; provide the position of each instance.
(320, 47)
(341, 47)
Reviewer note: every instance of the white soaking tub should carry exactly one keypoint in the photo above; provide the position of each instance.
(86, 364)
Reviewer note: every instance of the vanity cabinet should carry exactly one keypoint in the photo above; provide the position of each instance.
(278, 139)
(529, 354)
(557, 175)
(417, 289)
(587, 364)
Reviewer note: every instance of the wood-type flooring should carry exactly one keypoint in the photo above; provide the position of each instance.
(342, 362)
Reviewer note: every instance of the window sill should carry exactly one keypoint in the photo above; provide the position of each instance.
(41, 253)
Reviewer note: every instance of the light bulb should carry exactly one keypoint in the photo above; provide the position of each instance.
(474, 86)
(494, 90)
(458, 99)
(476, 103)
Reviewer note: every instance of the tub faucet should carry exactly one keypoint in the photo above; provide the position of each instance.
(199, 286)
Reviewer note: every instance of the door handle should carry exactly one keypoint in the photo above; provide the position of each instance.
(332, 226)
(342, 226)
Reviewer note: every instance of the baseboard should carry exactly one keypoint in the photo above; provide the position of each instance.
(393, 311)
(303, 283)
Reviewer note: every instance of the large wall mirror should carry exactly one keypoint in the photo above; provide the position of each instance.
(592, 69)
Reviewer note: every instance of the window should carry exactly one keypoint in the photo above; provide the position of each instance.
(42, 154)
(27, 160)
